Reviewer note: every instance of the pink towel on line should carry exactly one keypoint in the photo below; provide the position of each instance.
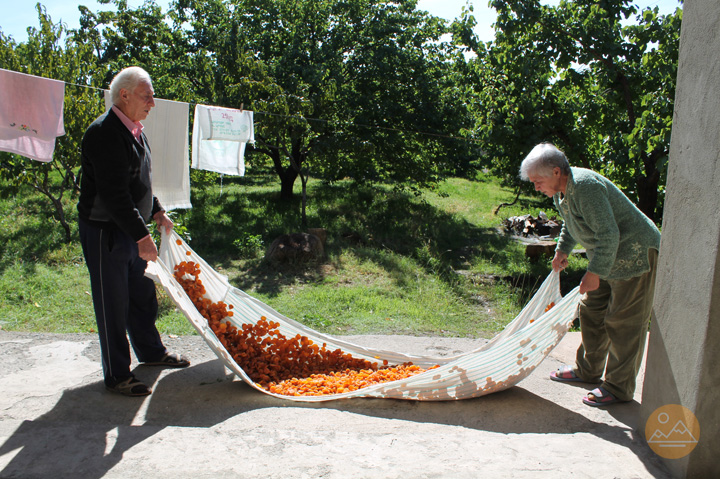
(31, 114)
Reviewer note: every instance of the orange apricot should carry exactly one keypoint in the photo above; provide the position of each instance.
(293, 366)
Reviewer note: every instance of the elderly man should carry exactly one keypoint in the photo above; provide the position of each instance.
(622, 247)
(116, 202)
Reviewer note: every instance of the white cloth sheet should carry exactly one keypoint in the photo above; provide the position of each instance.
(219, 139)
(166, 128)
(31, 114)
(498, 364)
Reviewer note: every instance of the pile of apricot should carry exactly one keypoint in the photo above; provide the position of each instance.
(293, 366)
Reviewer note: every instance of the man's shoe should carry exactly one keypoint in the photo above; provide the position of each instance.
(130, 387)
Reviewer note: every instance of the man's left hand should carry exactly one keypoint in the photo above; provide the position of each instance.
(163, 220)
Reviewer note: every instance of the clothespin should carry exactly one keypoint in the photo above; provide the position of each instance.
(241, 107)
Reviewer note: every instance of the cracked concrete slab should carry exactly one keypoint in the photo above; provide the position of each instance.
(57, 420)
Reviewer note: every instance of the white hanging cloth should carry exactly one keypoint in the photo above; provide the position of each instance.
(219, 139)
(31, 114)
(166, 128)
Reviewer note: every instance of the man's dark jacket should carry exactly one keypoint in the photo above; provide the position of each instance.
(116, 183)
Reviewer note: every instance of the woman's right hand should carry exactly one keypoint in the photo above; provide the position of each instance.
(559, 261)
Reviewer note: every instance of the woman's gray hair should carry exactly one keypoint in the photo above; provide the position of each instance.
(542, 160)
(127, 79)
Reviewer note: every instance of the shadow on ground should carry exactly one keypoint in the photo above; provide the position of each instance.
(88, 430)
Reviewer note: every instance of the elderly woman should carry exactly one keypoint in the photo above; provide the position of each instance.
(617, 288)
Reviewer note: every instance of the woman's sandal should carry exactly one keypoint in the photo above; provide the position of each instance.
(565, 374)
(600, 397)
(130, 387)
(170, 360)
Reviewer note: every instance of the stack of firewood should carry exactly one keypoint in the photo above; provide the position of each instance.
(529, 225)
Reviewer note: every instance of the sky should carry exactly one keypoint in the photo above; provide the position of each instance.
(17, 15)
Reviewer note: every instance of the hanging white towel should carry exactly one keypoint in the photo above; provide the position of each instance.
(219, 139)
(31, 114)
(166, 129)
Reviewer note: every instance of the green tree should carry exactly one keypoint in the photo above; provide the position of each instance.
(145, 37)
(359, 88)
(581, 76)
(47, 54)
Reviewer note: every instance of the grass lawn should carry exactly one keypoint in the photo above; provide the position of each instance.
(433, 263)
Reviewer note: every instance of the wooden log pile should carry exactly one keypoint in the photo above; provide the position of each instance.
(528, 225)
(536, 232)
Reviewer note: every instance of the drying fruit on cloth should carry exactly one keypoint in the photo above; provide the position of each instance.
(293, 366)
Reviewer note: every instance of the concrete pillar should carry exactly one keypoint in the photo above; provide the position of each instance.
(683, 364)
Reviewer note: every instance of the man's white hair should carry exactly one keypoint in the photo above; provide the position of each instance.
(127, 79)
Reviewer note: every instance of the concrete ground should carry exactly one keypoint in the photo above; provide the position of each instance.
(57, 420)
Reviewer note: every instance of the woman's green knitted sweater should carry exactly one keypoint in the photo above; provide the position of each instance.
(613, 231)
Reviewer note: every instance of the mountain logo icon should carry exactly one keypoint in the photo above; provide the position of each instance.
(672, 431)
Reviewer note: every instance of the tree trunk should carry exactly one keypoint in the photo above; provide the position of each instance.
(287, 180)
(648, 195)
(647, 185)
(303, 217)
(287, 175)
(63, 220)
(60, 212)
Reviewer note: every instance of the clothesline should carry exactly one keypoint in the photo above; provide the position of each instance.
(320, 120)
(31, 118)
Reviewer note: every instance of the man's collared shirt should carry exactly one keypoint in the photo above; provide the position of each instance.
(135, 127)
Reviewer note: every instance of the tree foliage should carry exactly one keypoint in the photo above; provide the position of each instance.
(378, 90)
(355, 89)
(584, 77)
(49, 53)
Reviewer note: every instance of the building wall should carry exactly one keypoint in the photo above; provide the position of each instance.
(683, 365)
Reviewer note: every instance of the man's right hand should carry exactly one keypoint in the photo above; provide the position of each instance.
(147, 249)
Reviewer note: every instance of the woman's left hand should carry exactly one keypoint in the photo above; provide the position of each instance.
(590, 282)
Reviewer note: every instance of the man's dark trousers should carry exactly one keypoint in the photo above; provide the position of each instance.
(123, 298)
